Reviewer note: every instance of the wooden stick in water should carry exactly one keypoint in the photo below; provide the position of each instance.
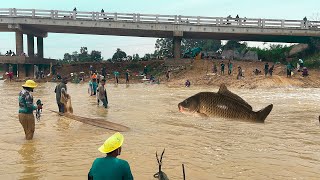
(184, 174)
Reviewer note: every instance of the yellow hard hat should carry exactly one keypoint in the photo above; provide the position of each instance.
(30, 84)
(112, 143)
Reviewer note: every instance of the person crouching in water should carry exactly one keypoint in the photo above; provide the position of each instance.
(26, 108)
(188, 83)
(111, 167)
(66, 101)
(102, 94)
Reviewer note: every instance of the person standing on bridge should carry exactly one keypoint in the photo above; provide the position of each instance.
(305, 20)
(26, 108)
(110, 167)
(57, 90)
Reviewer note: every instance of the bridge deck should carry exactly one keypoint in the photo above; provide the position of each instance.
(25, 60)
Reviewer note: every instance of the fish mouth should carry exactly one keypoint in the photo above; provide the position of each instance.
(185, 110)
(180, 107)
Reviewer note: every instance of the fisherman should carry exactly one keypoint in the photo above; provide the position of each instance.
(116, 77)
(271, 70)
(215, 68)
(66, 101)
(104, 72)
(127, 76)
(102, 94)
(168, 75)
(230, 65)
(257, 71)
(301, 64)
(305, 72)
(57, 90)
(266, 69)
(26, 108)
(222, 68)
(93, 85)
(145, 70)
(289, 69)
(111, 167)
(239, 72)
(188, 83)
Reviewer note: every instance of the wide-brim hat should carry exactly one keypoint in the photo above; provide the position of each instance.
(112, 143)
(30, 84)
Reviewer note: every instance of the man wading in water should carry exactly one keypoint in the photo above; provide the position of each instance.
(57, 90)
(26, 108)
(110, 167)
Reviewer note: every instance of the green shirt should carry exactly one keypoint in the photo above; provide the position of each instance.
(110, 168)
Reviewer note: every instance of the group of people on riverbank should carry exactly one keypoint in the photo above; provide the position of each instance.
(268, 70)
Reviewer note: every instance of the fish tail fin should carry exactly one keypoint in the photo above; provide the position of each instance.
(263, 113)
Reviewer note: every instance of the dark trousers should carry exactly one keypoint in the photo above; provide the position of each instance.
(104, 101)
(61, 107)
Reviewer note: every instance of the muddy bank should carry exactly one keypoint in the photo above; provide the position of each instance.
(199, 73)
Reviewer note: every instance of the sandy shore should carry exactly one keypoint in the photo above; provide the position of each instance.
(200, 74)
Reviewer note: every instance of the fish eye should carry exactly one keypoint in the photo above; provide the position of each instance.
(186, 101)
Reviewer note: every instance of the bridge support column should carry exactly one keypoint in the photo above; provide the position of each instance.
(21, 71)
(19, 43)
(177, 47)
(30, 45)
(40, 47)
(5, 67)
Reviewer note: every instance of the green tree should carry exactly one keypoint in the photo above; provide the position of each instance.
(119, 55)
(67, 58)
(235, 45)
(84, 56)
(147, 57)
(135, 58)
(164, 46)
(96, 56)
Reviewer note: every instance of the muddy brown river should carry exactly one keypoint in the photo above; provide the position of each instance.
(287, 146)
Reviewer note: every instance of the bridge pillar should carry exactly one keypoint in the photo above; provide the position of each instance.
(5, 67)
(40, 46)
(19, 43)
(30, 45)
(21, 71)
(177, 47)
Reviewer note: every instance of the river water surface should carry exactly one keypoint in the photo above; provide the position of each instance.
(287, 146)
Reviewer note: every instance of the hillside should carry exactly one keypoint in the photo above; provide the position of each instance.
(199, 73)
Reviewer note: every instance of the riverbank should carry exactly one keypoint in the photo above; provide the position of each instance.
(199, 73)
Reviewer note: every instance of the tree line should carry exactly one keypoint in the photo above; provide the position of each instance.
(164, 49)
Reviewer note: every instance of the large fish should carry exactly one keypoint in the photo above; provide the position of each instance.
(223, 104)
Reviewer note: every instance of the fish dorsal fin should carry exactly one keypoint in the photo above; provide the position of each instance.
(224, 91)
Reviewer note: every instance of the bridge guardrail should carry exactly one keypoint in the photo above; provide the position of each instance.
(155, 18)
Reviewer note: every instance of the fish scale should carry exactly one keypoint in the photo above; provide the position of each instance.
(210, 102)
(224, 104)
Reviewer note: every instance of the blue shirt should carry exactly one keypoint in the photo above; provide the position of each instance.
(110, 168)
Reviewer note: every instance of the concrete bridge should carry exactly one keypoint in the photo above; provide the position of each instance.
(38, 23)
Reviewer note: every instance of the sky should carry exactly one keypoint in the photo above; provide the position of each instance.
(55, 45)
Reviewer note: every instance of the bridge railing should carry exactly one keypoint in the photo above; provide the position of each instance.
(155, 18)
